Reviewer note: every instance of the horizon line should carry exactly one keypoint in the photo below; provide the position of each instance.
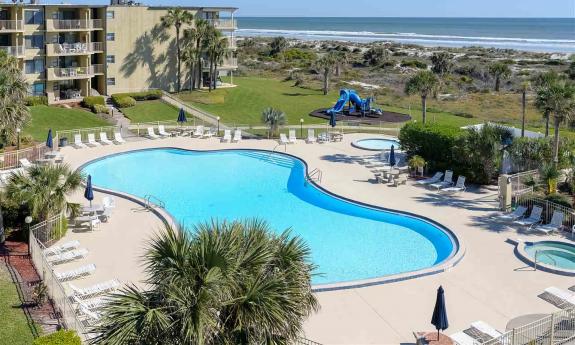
(402, 17)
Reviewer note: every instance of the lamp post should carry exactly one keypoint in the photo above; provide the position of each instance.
(28, 220)
(17, 138)
(301, 128)
(218, 118)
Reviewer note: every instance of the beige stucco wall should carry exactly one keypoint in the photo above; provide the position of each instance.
(145, 53)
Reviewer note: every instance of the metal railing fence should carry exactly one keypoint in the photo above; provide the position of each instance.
(530, 200)
(11, 159)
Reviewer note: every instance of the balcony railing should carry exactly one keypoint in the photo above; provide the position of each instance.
(75, 24)
(75, 48)
(11, 25)
(13, 50)
(75, 72)
(228, 63)
(229, 24)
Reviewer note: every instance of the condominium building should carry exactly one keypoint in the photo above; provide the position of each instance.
(71, 51)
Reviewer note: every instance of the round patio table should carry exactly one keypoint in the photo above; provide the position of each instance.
(430, 338)
(523, 320)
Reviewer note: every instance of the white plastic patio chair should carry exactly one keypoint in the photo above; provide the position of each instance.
(57, 249)
(227, 136)
(151, 134)
(75, 273)
(162, 131)
(199, 132)
(447, 181)
(555, 224)
(104, 139)
(237, 136)
(118, 138)
(292, 137)
(92, 140)
(534, 217)
(67, 256)
(459, 186)
(519, 212)
(283, 139)
(78, 142)
(96, 289)
(311, 136)
(435, 179)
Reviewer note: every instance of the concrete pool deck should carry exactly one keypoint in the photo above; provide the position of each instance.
(489, 284)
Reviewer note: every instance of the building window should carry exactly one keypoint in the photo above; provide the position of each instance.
(37, 89)
(33, 17)
(35, 66)
(34, 41)
(111, 81)
(110, 14)
(111, 58)
(110, 36)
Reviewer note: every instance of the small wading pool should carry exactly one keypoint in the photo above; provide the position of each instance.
(554, 256)
(376, 144)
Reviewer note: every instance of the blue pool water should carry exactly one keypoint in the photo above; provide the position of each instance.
(348, 241)
(556, 254)
(376, 144)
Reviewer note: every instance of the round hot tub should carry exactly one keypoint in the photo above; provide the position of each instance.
(376, 144)
(552, 256)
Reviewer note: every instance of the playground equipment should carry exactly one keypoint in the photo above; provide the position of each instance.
(356, 104)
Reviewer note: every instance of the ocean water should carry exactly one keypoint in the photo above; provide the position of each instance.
(529, 34)
(348, 241)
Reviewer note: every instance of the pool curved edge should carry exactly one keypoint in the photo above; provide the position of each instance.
(357, 145)
(525, 257)
(456, 255)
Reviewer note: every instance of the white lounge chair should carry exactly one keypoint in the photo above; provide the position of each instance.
(75, 273)
(311, 136)
(91, 316)
(566, 298)
(208, 134)
(237, 136)
(25, 163)
(162, 132)
(555, 225)
(283, 139)
(57, 249)
(104, 139)
(434, 179)
(292, 137)
(95, 290)
(459, 186)
(463, 339)
(92, 140)
(92, 303)
(534, 217)
(78, 142)
(447, 181)
(199, 132)
(67, 256)
(118, 138)
(518, 213)
(485, 328)
(151, 134)
(227, 136)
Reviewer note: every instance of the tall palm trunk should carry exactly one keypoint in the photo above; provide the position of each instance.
(211, 74)
(497, 83)
(423, 108)
(179, 86)
(556, 140)
(215, 74)
(325, 81)
(523, 106)
(547, 120)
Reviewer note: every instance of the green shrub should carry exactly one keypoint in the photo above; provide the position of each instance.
(61, 337)
(100, 109)
(298, 54)
(90, 101)
(140, 96)
(463, 114)
(558, 199)
(123, 101)
(413, 64)
(36, 100)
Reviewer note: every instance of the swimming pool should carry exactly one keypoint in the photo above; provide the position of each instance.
(376, 144)
(555, 254)
(349, 241)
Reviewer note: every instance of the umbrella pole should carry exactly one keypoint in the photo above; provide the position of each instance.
(437, 335)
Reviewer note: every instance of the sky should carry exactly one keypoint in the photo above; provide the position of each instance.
(382, 8)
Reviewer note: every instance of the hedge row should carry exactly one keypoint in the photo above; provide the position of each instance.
(36, 100)
(61, 337)
(141, 96)
(122, 101)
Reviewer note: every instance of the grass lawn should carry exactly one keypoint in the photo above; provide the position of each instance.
(45, 117)
(148, 111)
(14, 328)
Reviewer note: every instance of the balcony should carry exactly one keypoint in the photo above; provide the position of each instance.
(11, 25)
(70, 49)
(224, 24)
(229, 63)
(67, 73)
(17, 51)
(74, 25)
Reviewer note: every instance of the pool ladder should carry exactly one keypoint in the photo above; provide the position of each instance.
(315, 175)
(538, 253)
(157, 202)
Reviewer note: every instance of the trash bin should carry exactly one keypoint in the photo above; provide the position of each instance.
(63, 142)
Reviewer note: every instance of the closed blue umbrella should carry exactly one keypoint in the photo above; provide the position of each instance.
(182, 116)
(392, 156)
(439, 318)
(89, 192)
(49, 140)
(333, 119)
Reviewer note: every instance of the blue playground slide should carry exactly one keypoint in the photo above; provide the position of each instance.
(345, 96)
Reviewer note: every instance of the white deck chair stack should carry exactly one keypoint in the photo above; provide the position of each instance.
(75, 273)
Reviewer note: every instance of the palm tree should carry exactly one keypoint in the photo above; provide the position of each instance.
(219, 283)
(217, 47)
(341, 59)
(561, 100)
(441, 63)
(273, 118)
(43, 188)
(326, 65)
(199, 32)
(424, 83)
(499, 70)
(190, 56)
(542, 82)
(177, 17)
(278, 45)
(13, 90)
(524, 89)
